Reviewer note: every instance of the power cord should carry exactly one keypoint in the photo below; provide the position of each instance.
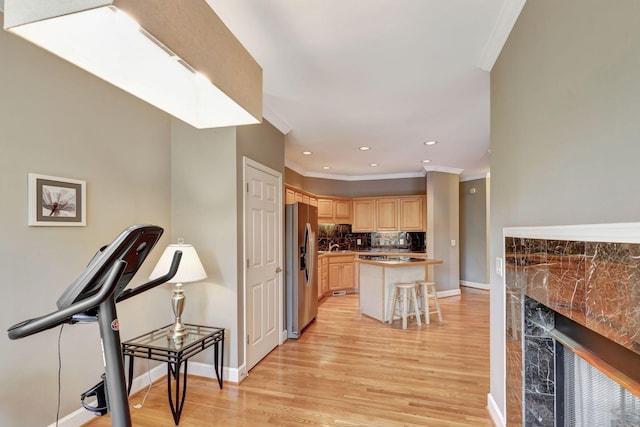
(59, 374)
(144, 399)
(136, 406)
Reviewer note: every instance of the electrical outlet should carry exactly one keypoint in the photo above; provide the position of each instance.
(358, 242)
(453, 242)
(499, 266)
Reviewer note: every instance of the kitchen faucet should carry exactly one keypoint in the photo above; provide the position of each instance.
(333, 245)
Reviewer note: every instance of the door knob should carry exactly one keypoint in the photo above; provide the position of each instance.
(278, 270)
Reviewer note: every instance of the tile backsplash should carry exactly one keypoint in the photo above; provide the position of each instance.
(341, 235)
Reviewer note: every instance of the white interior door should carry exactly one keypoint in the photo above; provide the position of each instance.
(263, 285)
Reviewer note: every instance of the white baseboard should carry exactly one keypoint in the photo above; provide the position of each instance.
(494, 412)
(206, 370)
(449, 293)
(476, 285)
(141, 382)
(75, 419)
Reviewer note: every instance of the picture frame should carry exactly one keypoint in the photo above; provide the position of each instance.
(56, 201)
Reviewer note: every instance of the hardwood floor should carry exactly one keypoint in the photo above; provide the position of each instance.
(350, 370)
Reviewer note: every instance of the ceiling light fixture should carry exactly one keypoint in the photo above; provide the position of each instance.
(326, 167)
(364, 148)
(178, 56)
(431, 143)
(426, 161)
(373, 165)
(307, 153)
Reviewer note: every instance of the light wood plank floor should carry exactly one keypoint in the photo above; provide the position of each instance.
(350, 370)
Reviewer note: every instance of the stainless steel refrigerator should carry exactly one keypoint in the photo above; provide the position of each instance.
(301, 234)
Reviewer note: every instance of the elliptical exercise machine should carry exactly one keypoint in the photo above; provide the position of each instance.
(92, 297)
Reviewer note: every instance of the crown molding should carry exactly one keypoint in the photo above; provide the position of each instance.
(474, 177)
(506, 20)
(446, 169)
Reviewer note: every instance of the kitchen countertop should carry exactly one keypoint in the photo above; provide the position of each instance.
(374, 253)
(396, 261)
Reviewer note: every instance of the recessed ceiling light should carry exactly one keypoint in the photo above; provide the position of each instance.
(431, 143)
(426, 161)
(307, 153)
(364, 148)
(326, 167)
(373, 165)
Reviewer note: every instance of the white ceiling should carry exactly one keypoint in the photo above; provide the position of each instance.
(389, 74)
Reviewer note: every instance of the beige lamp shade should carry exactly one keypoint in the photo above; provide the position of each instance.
(190, 269)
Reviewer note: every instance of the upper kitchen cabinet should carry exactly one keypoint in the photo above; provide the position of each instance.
(364, 215)
(293, 195)
(333, 210)
(412, 213)
(325, 209)
(401, 213)
(387, 214)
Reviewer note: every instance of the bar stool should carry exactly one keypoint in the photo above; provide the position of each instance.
(404, 294)
(427, 290)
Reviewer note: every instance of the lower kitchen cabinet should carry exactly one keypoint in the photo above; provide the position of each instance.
(341, 273)
(323, 272)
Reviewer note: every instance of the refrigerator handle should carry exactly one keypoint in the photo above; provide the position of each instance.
(309, 242)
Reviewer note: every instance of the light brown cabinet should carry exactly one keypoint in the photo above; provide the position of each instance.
(412, 213)
(293, 195)
(323, 272)
(325, 209)
(341, 273)
(402, 213)
(333, 210)
(386, 215)
(364, 215)
(289, 196)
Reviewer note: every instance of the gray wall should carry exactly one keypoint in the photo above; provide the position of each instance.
(365, 188)
(443, 213)
(204, 212)
(564, 128)
(58, 120)
(264, 144)
(474, 251)
(207, 205)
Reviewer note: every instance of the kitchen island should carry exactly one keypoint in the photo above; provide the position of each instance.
(378, 273)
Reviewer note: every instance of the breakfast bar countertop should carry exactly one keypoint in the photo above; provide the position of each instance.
(396, 260)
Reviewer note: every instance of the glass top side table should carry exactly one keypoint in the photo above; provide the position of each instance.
(156, 345)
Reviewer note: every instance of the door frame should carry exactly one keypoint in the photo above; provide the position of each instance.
(248, 162)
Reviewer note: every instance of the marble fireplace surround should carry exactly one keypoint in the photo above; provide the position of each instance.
(589, 274)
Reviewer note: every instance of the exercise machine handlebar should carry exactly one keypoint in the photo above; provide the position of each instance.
(65, 315)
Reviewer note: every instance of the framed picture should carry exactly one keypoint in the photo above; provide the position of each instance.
(55, 201)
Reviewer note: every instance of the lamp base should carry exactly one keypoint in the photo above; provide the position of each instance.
(177, 331)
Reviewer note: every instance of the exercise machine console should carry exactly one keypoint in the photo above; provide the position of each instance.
(92, 297)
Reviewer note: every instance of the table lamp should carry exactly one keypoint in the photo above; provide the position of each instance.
(189, 270)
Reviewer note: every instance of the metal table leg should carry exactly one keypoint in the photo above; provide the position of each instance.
(174, 371)
(218, 356)
(130, 376)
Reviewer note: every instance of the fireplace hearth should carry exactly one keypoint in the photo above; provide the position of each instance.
(572, 317)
